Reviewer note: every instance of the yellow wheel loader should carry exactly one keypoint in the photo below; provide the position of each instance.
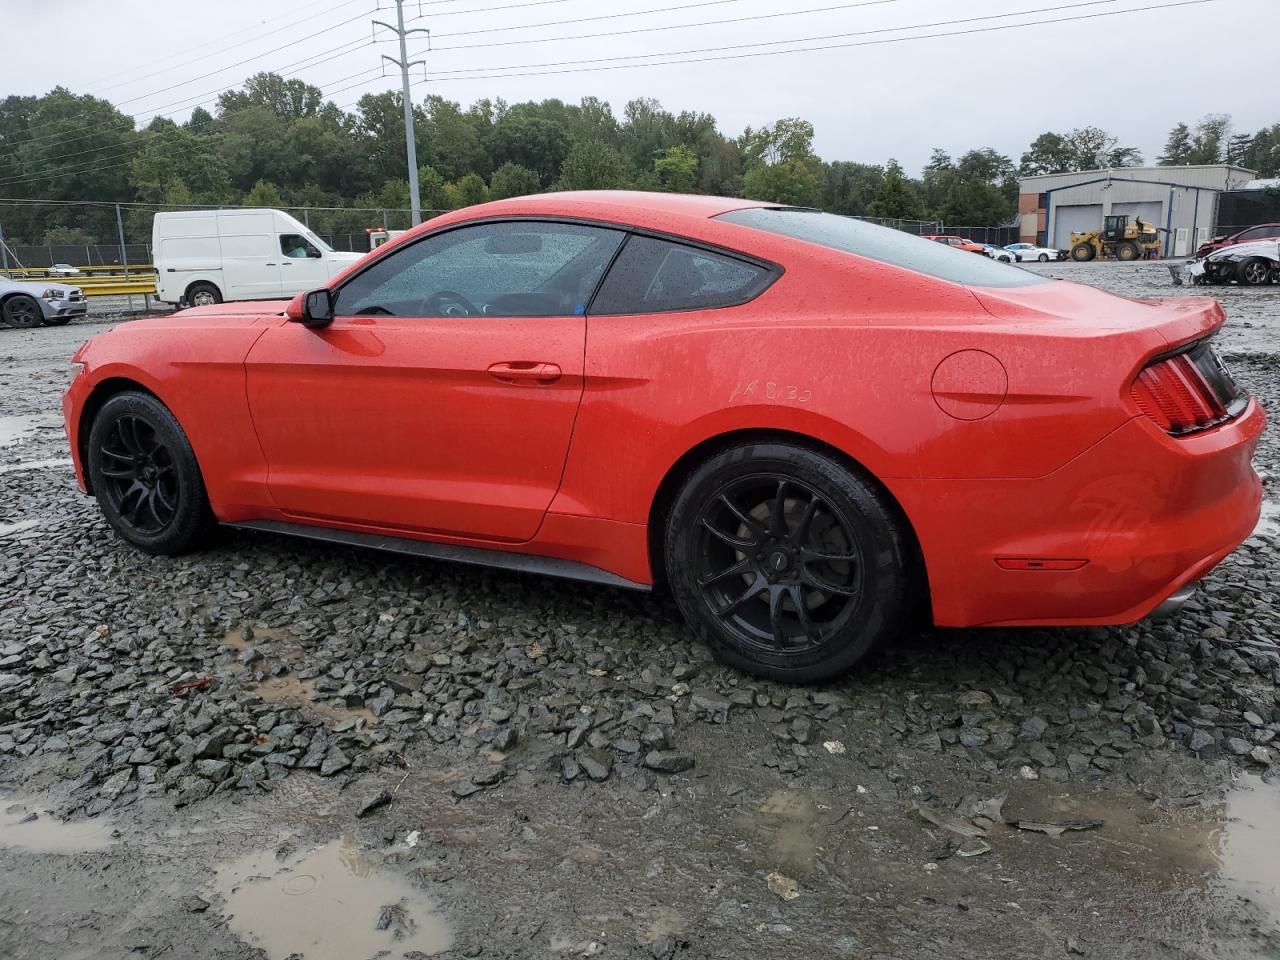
(1118, 238)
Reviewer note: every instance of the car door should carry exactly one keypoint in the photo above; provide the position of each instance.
(302, 265)
(250, 256)
(442, 396)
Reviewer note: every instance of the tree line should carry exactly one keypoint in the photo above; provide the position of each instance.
(279, 143)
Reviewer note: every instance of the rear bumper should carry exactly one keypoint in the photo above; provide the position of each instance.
(1147, 514)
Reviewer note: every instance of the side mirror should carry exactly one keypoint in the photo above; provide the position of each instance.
(317, 308)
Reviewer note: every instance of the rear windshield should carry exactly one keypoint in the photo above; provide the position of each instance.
(884, 244)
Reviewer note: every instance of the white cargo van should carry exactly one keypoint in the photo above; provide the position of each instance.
(208, 256)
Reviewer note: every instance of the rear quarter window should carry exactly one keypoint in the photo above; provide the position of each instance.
(885, 245)
(652, 275)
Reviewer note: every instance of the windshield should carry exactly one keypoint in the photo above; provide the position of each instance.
(884, 244)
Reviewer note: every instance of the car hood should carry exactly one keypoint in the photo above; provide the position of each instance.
(34, 287)
(237, 308)
(1077, 308)
(1250, 248)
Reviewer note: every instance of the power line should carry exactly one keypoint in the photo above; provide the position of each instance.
(767, 43)
(353, 45)
(663, 27)
(763, 53)
(240, 42)
(438, 77)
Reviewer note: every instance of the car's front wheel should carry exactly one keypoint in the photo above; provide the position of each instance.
(145, 476)
(1254, 272)
(787, 563)
(22, 312)
(1043, 258)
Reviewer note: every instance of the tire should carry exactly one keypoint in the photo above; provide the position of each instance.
(1083, 252)
(145, 475)
(796, 594)
(203, 295)
(1127, 251)
(1043, 258)
(1253, 272)
(23, 312)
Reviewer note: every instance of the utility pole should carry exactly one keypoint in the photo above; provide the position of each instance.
(411, 149)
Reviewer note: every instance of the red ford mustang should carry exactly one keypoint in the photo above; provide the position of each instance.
(805, 425)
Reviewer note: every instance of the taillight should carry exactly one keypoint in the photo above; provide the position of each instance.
(1187, 391)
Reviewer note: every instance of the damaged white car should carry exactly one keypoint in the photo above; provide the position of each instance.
(1249, 264)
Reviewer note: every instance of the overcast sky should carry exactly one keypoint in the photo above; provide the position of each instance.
(1134, 74)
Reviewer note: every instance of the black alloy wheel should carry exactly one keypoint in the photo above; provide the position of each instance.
(145, 476)
(22, 312)
(1254, 272)
(789, 565)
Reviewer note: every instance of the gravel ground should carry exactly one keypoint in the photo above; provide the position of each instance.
(479, 763)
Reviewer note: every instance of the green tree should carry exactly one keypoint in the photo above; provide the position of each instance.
(1262, 154)
(432, 190)
(788, 139)
(898, 197)
(592, 165)
(513, 180)
(677, 169)
(173, 156)
(264, 194)
(850, 188)
(1209, 139)
(789, 181)
(467, 191)
(1177, 147)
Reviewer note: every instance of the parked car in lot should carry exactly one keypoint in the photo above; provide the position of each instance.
(1029, 251)
(204, 257)
(808, 427)
(1263, 231)
(29, 303)
(999, 253)
(1249, 264)
(960, 243)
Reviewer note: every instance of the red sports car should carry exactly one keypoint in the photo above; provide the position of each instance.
(806, 426)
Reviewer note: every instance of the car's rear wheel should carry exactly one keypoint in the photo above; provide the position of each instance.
(145, 476)
(203, 295)
(23, 312)
(788, 564)
(1254, 272)
(1043, 258)
(1082, 252)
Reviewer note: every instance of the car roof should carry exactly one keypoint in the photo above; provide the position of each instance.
(637, 207)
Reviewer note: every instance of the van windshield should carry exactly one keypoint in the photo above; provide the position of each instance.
(884, 244)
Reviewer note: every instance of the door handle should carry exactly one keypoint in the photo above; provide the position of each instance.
(525, 372)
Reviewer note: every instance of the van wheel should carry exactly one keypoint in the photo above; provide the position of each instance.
(203, 295)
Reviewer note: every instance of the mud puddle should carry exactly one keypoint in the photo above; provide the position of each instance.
(29, 827)
(332, 903)
(1246, 842)
(290, 691)
(35, 464)
(1269, 522)
(287, 689)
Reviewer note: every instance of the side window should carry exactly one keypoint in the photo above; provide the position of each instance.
(508, 269)
(1257, 233)
(297, 247)
(653, 276)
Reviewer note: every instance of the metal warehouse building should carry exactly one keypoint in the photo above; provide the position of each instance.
(1180, 200)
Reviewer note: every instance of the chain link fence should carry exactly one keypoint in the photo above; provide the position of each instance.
(37, 234)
